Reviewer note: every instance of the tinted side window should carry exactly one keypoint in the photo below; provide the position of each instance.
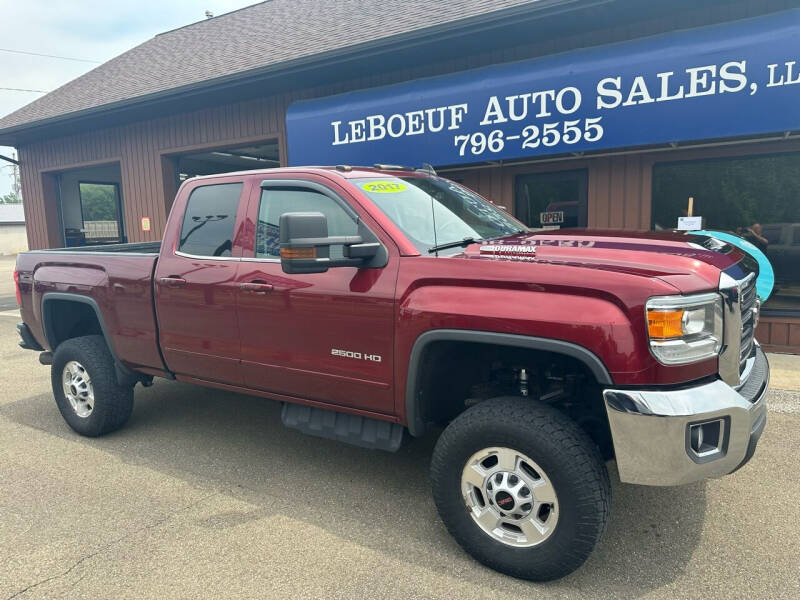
(208, 223)
(275, 202)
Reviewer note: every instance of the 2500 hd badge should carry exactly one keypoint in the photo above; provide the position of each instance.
(357, 355)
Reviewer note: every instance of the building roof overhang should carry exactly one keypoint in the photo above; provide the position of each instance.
(532, 20)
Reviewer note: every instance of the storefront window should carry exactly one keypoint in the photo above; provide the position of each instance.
(552, 200)
(756, 197)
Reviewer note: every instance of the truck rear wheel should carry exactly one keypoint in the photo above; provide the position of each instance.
(85, 386)
(521, 487)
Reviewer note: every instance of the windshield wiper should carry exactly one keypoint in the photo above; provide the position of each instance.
(463, 243)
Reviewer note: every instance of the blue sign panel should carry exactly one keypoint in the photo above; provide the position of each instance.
(735, 79)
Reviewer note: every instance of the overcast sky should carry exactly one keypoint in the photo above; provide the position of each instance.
(94, 30)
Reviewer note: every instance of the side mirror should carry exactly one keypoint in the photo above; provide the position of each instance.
(305, 245)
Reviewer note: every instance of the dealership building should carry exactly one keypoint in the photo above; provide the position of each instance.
(608, 114)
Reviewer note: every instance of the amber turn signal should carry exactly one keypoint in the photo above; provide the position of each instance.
(290, 253)
(664, 324)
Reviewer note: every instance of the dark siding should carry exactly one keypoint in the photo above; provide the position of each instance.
(139, 148)
(619, 193)
(779, 334)
(619, 187)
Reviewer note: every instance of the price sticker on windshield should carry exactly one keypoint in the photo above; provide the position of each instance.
(384, 187)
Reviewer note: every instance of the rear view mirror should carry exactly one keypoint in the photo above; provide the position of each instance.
(305, 245)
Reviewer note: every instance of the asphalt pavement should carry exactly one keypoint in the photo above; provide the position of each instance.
(8, 300)
(205, 495)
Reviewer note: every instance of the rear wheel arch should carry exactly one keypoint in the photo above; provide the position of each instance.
(415, 404)
(66, 316)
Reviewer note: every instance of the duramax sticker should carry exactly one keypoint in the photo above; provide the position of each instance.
(384, 187)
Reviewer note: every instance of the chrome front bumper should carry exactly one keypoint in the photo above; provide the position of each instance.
(655, 431)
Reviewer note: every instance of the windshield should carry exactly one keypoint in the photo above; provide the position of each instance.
(417, 204)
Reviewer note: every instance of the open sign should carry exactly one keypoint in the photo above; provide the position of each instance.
(555, 217)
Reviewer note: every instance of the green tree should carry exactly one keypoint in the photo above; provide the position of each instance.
(11, 198)
(99, 202)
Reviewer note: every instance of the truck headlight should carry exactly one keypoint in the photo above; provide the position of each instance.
(684, 329)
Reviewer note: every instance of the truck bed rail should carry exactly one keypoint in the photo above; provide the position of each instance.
(132, 248)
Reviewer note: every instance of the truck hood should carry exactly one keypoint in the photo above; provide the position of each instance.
(689, 262)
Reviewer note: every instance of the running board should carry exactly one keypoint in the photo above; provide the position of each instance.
(351, 429)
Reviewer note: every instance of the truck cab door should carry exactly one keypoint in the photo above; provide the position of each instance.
(196, 284)
(326, 337)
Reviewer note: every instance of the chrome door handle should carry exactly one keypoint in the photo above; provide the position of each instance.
(175, 282)
(256, 287)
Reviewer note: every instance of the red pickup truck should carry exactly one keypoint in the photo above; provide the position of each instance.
(379, 303)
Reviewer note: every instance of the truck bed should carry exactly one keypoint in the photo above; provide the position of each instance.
(114, 281)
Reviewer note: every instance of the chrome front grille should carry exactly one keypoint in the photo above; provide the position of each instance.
(740, 313)
(749, 306)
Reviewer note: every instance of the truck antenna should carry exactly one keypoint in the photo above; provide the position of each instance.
(433, 216)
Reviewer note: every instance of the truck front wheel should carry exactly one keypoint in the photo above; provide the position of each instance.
(85, 386)
(521, 487)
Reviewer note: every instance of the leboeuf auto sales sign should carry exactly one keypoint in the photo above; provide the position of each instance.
(741, 78)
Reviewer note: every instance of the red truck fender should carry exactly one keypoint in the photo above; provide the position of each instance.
(416, 425)
(124, 375)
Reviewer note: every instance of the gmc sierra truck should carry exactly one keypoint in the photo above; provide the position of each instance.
(377, 304)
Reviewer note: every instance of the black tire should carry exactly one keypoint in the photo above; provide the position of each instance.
(564, 452)
(113, 403)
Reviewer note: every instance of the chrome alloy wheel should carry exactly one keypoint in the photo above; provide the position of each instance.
(510, 497)
(78, 388)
